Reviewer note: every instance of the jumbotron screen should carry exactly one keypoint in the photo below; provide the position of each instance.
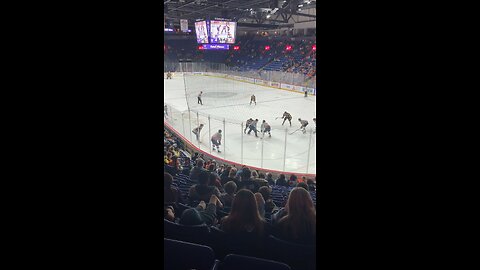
(201, 32)
(222, 32)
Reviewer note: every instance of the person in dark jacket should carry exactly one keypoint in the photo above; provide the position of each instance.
(281, 181)
(224, 175)
(195, 172)
(202, 191)
(246, 181)
(227, 197)
(170, 193)
(269, 204)
(202, 214)
(270, 180)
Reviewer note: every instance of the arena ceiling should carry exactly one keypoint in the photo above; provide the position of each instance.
(248, 13)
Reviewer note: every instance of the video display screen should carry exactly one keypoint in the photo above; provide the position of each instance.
(222, 32)
(201, 32)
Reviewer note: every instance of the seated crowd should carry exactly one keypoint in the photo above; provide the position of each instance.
(251, 51)
(237, 204)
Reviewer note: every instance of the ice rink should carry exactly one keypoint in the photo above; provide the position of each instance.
(226, 103)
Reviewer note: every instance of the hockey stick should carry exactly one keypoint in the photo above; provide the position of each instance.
(294, 131)
(278, 117)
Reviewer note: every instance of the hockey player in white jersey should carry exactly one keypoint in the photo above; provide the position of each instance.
(304, 124)
(265, 127)
(216, 140)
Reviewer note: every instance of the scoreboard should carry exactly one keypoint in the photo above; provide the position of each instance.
(218, 31)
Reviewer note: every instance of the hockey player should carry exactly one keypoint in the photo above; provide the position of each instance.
(306, 93)
(304, 124)
(253, 127)
(315, 121)
(265, 127)
(197, 131)
(165, 111)
(249, 121)
(216, 140)
(253, 99)
(287, 116)
(169, 75)
(199, 98)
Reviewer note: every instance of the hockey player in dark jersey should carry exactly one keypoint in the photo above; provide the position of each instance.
(199, 98)
(197, 131)
(249, 121)
(253, 127)
(253, 99)
(287, 116)
(265, 127)
(315, 121)
(304, 124)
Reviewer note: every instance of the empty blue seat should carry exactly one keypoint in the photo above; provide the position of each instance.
(196, 234)
(179, 255)
(298, 256)
(239, 262)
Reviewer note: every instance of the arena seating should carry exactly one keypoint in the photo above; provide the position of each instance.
(199, 257)
(238, 262)
(252, 55)
(215, 245)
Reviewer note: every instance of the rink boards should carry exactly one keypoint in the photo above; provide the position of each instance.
(283, 86)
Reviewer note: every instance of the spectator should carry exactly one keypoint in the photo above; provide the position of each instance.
(170, 193)
(195, 172)
(232, 176)
(270, 180)
(202, 214)
(187, 166)
(259, 182)
(175, 164)
(246, 182)
(244, 216)
(213, 181)
(167, 158)
(227, 197)
(224, 175)
(169, 213)
(281, 181)
(269, 204)
(292, 181)
(311, 185)
(299, 223)
(202, 191)
(195, 156)
(303, 185)
(260, 204)
(212, 170)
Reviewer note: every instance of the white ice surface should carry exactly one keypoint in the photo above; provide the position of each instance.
(229, 99)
